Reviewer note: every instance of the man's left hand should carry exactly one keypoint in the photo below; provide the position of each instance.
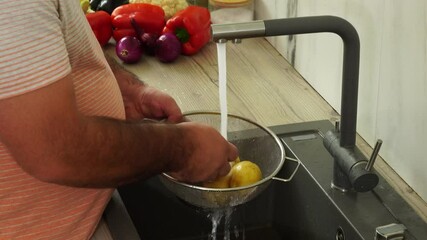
(149, 102)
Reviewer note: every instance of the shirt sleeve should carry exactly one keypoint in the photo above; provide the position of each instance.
(33, 52)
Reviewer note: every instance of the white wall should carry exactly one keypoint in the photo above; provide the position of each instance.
(393, 71)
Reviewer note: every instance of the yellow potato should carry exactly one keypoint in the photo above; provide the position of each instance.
(235, 161)
(245, 173)
(242, 173)
(222, 182)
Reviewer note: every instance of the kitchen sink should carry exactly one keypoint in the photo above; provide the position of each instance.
(304, 208)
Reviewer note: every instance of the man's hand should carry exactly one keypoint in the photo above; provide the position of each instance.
(148, 102)
(142, 101)
(207, 157)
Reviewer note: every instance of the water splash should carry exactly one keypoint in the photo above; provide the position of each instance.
(216, 217)
(227, 221)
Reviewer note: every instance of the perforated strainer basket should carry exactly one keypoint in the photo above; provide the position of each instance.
(255, 143)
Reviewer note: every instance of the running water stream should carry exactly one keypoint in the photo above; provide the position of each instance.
(218, 214)
(222, 78)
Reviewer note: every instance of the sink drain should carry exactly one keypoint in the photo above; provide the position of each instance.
(339, 235)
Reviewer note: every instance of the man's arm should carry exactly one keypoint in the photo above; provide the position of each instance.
(51, 140)
(141, 100)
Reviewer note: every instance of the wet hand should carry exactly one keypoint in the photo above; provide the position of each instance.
(207, 154)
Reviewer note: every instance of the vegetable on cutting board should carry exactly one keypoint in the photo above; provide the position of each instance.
(100, 22)
(106, 5)
(168, 48)
(169, 6)
(85, 5)
(148, 40)
(192, 27)
(128, 49)
(150, 18)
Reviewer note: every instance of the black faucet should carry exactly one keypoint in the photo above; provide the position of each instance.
(351, 169)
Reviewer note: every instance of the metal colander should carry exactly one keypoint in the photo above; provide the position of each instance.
(254, 142)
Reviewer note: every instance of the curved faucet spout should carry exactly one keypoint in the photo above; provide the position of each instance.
(305, 25)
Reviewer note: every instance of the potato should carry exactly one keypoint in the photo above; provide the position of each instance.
(242, 173)
(245, 173)
(222, 182)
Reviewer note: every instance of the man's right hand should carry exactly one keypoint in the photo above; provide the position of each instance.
(207, 154)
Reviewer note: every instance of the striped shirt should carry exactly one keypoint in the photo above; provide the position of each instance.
(41, 41)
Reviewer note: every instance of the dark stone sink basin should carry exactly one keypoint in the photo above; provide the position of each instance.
(304, 208)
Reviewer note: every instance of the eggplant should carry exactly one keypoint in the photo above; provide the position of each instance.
(94, 4)
(107, 5)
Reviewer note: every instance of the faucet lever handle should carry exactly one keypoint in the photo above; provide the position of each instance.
(374, 155)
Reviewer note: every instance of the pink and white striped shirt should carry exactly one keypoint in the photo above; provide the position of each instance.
(41, 41)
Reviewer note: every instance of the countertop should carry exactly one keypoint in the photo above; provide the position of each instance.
(261, 85)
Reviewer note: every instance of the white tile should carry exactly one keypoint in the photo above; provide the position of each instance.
(319, 56)
(265, 9)
(402, 98)
(268, 9)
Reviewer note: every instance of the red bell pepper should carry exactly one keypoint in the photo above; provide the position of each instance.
(151, 19)
(192, 27)
(100, 22)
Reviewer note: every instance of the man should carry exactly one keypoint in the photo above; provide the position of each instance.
(71, 127)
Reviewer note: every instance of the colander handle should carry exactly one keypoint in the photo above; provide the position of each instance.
(293, 173)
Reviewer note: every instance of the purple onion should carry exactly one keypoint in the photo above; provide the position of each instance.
(149, 42)
(129, 49)
(168, 47)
